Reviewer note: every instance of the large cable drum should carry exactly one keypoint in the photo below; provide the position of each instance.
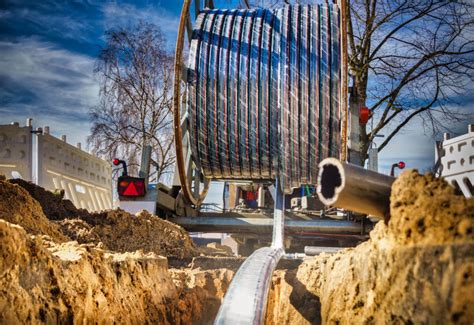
(263, 92)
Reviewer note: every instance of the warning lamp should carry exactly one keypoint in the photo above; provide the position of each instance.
(117, 162)
(400, 165)
(131, 186)
(123, 183)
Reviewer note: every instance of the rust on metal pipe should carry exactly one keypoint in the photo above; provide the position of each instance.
(344, 79)
(354, 188)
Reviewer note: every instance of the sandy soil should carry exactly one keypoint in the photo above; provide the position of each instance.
(203, 291)
(418, 269)
(18, 207)
(45, 282)
(121, 231)
(55, 207)
(116, 230)
(115, 269)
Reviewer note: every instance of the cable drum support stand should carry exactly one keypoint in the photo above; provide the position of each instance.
(262, 104)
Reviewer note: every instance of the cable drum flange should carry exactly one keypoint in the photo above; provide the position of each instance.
(187, 162)
(264, 98)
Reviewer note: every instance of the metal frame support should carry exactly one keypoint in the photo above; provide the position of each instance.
(257, 223)
(261, 196)
(344, 81)
(36, 176)
(145, 164)
(354, 155)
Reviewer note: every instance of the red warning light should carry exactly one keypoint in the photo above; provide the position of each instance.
(400, 165)
(116, 162)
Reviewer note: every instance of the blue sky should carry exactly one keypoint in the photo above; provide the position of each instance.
(47, 53)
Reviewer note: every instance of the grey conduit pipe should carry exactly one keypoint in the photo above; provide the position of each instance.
(354, 188)
(316, 250)
(246, 300)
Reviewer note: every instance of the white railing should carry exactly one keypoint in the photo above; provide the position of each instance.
(458, 161)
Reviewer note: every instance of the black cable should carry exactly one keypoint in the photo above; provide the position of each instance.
(263, 96)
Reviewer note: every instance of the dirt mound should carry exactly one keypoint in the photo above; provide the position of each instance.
(43, 282)
(426, 210)
(121, 231)
(80, 231)
(18, 207)
(55, 207)
(215, 249)
(117, 230)
(81, 282)
(418, 269)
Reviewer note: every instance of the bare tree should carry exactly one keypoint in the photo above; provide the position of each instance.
(135, 73)
(407, 59)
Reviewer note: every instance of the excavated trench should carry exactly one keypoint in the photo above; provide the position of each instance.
(60, 264)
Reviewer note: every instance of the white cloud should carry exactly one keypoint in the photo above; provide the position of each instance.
(54, 86)
(124, 14)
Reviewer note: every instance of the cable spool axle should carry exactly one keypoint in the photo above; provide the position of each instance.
(263, 92)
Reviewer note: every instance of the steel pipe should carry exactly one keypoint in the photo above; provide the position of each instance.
(209, 223)
(354, 188)
(316, 250)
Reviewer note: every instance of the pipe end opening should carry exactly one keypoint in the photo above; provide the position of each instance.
(330, 180)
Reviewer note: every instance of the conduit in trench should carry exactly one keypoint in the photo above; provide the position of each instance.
(245, 301)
